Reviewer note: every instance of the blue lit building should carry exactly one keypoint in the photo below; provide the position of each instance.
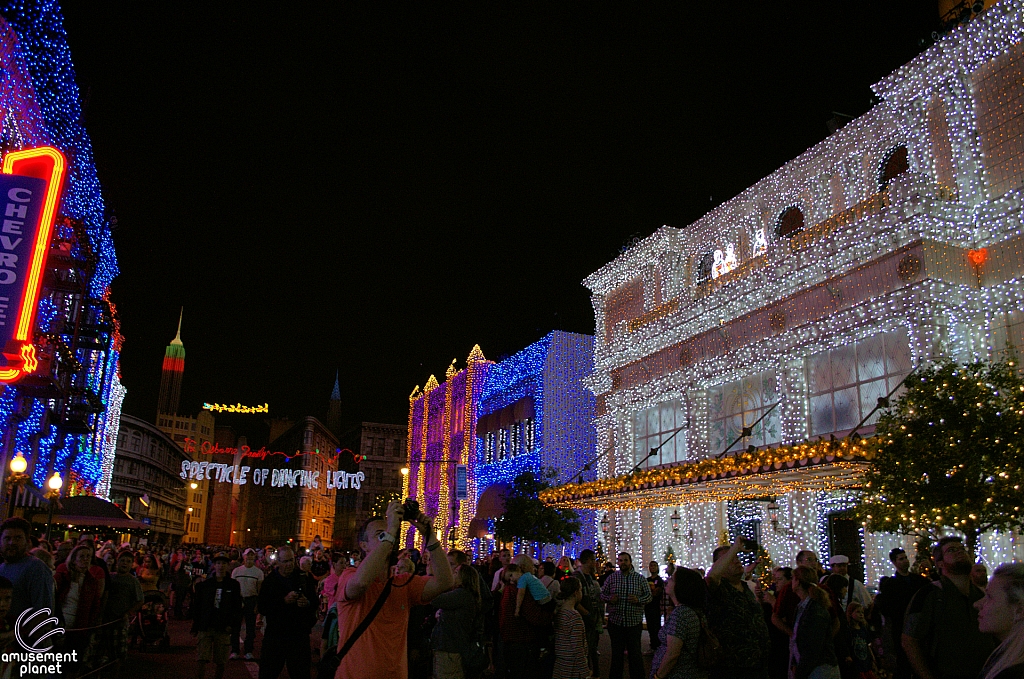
(64, 417)
(535, 413)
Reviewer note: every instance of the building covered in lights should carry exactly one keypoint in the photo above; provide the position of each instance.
(63, 416)
(472, 435)
(734, 356)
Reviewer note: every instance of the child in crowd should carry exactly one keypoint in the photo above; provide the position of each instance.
(860, 641)
(529, 581)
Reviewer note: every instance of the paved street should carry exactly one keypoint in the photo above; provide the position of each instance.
(180, 659)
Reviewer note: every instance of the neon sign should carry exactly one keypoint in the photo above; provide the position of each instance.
(210, 448)
(279, 478)
(31, 181)
(237, 408)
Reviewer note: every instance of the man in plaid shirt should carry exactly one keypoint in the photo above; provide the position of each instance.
(626, 591)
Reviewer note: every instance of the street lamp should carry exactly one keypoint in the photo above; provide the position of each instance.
(405, 471)
(773, 514)
(193, 485)
(54, 484)
(675, 520)
(604, 523)
(17, 478)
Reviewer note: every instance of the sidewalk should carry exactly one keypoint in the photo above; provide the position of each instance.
(180, 659)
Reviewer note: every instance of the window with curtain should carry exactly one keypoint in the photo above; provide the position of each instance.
(654, 427)
(845, 383)
(736, 405)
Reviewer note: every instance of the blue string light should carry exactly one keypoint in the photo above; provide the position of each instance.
(41, 98)
(550, 372)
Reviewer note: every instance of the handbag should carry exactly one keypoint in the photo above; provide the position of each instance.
(474, 659)
(709, 649)
(328, 665)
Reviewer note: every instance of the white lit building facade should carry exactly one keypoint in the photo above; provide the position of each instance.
(785, 313)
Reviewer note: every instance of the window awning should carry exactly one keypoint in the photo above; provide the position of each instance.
(90, 511)
(491, 504)
(507, 416)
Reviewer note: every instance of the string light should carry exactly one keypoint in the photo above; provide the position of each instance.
(553, 432)
(41, 103)
(912, 247)
(237, 408)
(436, 434)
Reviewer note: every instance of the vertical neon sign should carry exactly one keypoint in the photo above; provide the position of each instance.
(31, 181)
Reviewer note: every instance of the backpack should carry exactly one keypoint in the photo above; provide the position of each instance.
(709, 649)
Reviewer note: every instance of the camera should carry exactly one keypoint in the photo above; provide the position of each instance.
(410, 510)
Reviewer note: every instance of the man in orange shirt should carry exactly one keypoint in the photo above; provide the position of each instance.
(380, 651)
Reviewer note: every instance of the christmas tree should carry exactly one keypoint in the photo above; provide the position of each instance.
(763, 567)
(670, 556)
(949, 454)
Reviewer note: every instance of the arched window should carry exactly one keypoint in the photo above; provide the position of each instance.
(895, 164)
(704, 268)
(790, 222)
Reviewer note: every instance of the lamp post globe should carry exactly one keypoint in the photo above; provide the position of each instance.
(19, 464)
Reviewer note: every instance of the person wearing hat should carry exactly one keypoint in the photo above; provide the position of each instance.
(217, 615)
(839, 564)
(250, 579)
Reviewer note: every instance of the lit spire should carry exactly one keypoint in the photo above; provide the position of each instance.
(177, 337)
(336, 394)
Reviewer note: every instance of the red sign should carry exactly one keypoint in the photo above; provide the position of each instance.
(31, 181)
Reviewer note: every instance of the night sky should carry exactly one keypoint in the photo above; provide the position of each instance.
(375, 191)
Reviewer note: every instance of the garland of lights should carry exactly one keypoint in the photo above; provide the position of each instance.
(765, 460)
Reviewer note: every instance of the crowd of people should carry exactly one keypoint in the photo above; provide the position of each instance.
(390, 612)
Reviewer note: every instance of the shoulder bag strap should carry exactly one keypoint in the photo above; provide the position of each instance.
(366, 621)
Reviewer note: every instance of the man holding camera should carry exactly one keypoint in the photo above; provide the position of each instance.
(378, 648)
(736, 617)
(289, 602)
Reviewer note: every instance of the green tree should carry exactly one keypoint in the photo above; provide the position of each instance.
(529, 519)
(948, 453)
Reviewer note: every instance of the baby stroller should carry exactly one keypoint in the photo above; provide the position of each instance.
(150, 626)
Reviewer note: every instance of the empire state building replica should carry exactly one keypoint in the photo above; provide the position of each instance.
(170, 379)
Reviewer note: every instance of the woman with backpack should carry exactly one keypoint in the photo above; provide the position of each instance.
(685, 637)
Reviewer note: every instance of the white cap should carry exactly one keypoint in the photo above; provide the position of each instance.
(838, 558)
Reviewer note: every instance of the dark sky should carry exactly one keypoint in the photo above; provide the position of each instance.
(375, 191)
